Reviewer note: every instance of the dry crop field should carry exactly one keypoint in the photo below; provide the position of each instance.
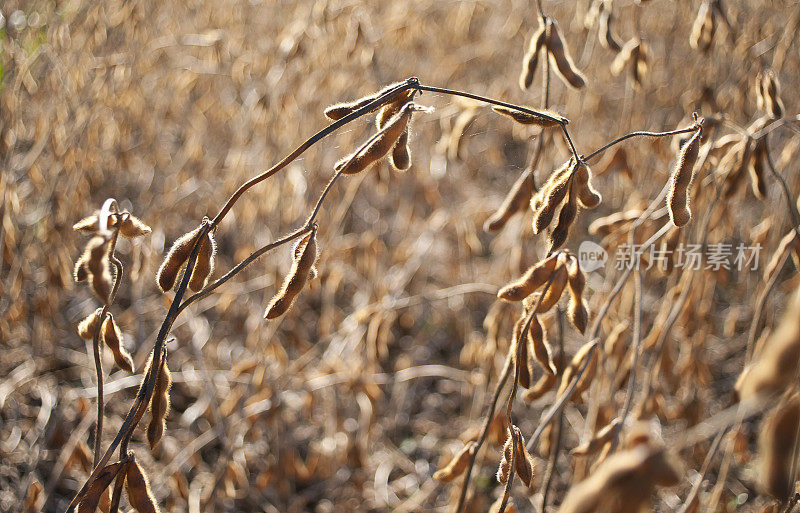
(428, 256)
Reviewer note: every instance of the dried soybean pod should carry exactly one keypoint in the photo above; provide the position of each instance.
(81, 270)
(89, 224)
(773, 105)
(523, 462)
(531, 59)
(555, 290)
(759, 90)
(519, 348)
(204, 264)
(98, 267)
(577, 313)
(537, 338)
(516, 200)
(112, 336)
(565, 219)
(340, 110)
(756, 170)
(681, 181)
(457, 466)
(379, 147)
(498, 503)
(392, 108)
(551, 196)
(504, 469)
(542, 386)
(560, 57)
(541, 118)
(159, 404)
(177, 256)
(624, 56)
(604, 33)
(132, 227)
(588, 197)
(401, 153)
(306, 254)
(88, 326)
(777, 443)
(705, 25)
(138, 487)
(96, 490)
(536, 276)
(574, 366)
(594, 444)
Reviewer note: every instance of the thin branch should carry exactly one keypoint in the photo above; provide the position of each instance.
(560, 120)
(637, 134)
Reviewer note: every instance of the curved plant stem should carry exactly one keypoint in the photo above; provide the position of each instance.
(637, 134)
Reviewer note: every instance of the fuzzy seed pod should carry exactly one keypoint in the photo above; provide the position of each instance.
(340, 110)
(776, 366)
(565, 219)
(603, 436)
(756, 170)
(138, 487)
(536, 276)
(577, 313)
(705, 25)
(640, 67)
(98, 268)
(378, 148)
(401, 153)
(112, 336)
(540, 347)
(204, 264)
(504, 470)
(517, 198)
(574, 367)
(520, 353)
(178, 255)
(88, 326)
(542, 118)
(159, 405)
(545, 383)
(390, 109)
(588, 197)
(81, 271)
(523, 462)
(624, 482)
(560, 57)
(681, 181)
(305, 256)
(131, 227)
(771, 91)
(94, 494)
(552, 194)
(457, 466)
(777, 443)
(624, 56)
(555, 290)
(91, 224)
(531, 59)
(604, 32)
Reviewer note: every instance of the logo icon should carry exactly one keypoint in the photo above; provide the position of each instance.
(591, 256)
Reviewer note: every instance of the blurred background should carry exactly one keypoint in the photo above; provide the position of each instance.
(385, 364)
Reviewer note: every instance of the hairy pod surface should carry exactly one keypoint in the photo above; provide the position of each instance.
(303, 263)
(681, 181)
(112, 336)
(177, 256)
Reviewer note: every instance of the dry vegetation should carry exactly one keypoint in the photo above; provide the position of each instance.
(390, 371)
